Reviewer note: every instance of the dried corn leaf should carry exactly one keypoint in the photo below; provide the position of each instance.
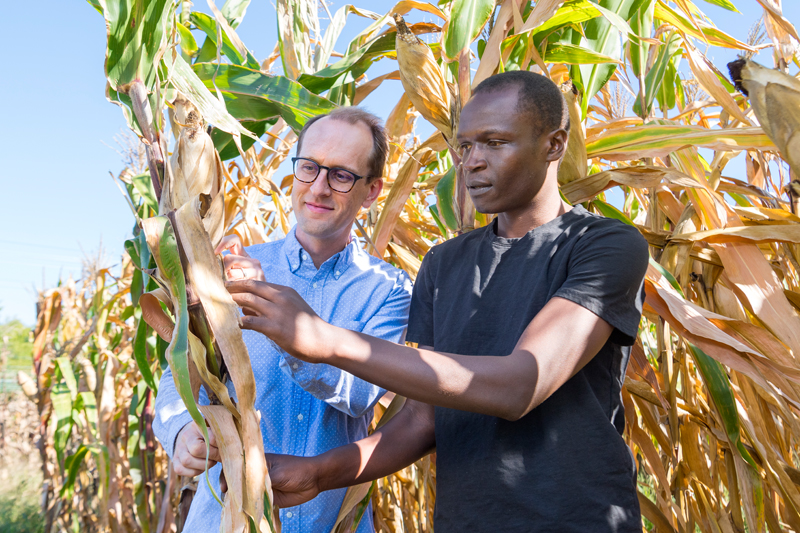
(204, 272)
(230, 449)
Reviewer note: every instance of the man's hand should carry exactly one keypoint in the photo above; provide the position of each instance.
(295, 480)
(189, 457)
(282, 315)
(238, 265)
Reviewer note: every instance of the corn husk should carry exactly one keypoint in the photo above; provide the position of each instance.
(775, 98)
(196, 169)
(27, 384)
(423, 80)
(573, 166)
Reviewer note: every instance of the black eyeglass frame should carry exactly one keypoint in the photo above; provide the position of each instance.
(327, 174)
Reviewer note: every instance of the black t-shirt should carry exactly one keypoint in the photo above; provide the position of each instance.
(564, 466)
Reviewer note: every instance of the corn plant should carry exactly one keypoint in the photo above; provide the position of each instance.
(711, 392)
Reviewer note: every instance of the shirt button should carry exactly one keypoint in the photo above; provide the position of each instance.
(337, 273)
(300, 416)
(294, 365)
(288, 514)
(315, 285)
(303, 256)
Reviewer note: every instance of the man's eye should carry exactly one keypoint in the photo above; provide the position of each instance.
(342, 176)
(495, 143)
(308, 168)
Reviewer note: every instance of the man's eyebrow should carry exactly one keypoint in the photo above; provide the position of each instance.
(484, 133)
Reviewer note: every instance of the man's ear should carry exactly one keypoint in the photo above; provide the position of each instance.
(372, 195)
(558, 145)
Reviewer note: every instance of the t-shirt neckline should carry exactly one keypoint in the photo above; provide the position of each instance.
(508, 241)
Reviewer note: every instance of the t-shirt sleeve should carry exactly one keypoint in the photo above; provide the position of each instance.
(420, 318)
(606, 276)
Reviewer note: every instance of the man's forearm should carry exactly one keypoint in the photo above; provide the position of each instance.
(482, 384)
(404, 439)
(560, 340)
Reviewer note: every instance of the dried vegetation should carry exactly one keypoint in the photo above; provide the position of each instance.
(712, 393)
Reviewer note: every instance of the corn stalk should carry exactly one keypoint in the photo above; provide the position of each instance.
(711, 393)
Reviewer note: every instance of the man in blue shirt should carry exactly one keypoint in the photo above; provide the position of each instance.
(307, 409)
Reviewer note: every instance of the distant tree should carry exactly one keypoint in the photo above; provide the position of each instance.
(16, 343)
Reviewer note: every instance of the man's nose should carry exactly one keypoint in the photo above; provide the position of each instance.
(474, 159)
(320, 186)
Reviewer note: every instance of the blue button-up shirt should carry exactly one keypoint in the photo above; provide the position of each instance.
(306, 409)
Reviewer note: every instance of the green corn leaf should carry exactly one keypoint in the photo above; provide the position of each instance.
(725, 4)
(138, 33)
(716, 380)
(641, 28)
(226, 146)
(140, 354)
(668, 275)
(61, 398)
(167, 257)
(609, 211)
(571, 54)
(72, 465)
(323, 51)
(570, 13)
(65, 367)
(198, 92)
(698, 29)
(354, 63)
(467, 19)
(188, 42)
(666, 93)
(253, 95)
(445, 199)
(654, 79)
(654, 140)
(234, 10)
(144, 186)
(603, 37)
(719, 387)
(88, 404)
(437, 218)
(131, 246)
(208, 25)
(721, 393)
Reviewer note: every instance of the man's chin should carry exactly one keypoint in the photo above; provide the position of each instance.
(485, 208)
(315, 228)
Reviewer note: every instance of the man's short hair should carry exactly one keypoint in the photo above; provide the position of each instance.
(538, 97)
(354, 115)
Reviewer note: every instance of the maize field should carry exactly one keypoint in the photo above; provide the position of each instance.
(712, 392)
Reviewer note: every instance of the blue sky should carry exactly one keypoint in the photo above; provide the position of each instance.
(57, 200)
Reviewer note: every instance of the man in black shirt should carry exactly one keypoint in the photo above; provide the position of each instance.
(524, 330)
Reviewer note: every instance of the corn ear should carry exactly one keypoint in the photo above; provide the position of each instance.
(775, 98)
(27, 384)
(88, 372)
(423, 80)
(196, 169)
(573, 166)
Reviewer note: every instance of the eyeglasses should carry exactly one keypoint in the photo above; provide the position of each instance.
(339, 179)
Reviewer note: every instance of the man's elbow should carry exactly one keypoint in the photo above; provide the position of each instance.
(516, 403)
(512, 413)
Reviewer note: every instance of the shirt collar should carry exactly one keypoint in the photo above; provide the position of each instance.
(338, 263)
